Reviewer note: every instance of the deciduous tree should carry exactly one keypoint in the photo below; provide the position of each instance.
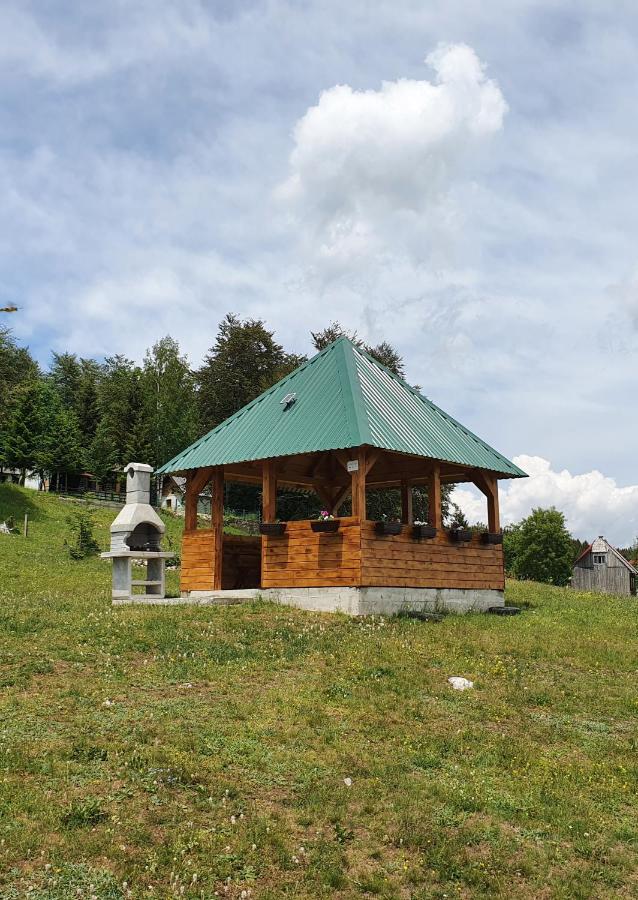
(544, 548)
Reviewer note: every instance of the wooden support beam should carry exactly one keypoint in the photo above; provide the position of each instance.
(196, 481)
(339, 499)
(434, 498)
(343, 457)
(406, 502)
(269, 491)
(371, 457)
(316, 464)
(359, 485)
(217, 524)
(325, 495)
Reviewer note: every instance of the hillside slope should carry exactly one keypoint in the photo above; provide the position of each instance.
(181, 751)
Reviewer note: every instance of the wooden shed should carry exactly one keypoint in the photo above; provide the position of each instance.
(338, 425)
(603, 569)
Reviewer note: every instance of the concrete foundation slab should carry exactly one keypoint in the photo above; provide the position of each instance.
(353, 601)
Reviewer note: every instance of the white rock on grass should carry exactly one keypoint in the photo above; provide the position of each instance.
(460, 684)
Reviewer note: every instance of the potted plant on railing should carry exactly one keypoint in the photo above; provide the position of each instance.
(460, 531)
(421, 530)
(383, 526)
(325, 523)
(461, 535)
(273, 529)
(491, 537)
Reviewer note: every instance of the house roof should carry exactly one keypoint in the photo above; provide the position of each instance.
(341, 398)
(601, 545)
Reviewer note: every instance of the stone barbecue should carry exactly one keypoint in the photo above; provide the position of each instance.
(136, 535)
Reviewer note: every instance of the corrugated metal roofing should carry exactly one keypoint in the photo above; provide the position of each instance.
(344, 398)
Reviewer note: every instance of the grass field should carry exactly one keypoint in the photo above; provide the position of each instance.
(265, 752)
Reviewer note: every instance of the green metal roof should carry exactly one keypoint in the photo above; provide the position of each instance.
(344, 398)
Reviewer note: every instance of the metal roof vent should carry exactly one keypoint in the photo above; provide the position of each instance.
(288, 401)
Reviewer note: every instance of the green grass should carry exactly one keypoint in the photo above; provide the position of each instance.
(183, 751)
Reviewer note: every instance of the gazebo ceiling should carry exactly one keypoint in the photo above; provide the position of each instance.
(340, 399)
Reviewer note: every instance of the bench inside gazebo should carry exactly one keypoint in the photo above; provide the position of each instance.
(338, 425)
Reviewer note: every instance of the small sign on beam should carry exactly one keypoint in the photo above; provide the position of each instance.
(352, 465)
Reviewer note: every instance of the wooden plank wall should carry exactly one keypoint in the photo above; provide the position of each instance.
(354, 556)
(196, 573)
(401, 561)
(602, 579)
(304, 558)
(241, 562)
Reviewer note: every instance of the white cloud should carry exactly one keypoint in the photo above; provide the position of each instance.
(592, 502)
(363, 156)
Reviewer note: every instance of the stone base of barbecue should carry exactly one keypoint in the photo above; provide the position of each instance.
(153, 585)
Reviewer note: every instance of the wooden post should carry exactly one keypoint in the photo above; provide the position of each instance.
(269, 492)
(217, 524)
(434, 497)
(406, 503)
(359, 485)
(26, 524)
(190, 502)
(493, 518)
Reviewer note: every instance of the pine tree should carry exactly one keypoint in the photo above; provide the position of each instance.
(17, 369)
(121, 409)
(32, 432)
(65, 374)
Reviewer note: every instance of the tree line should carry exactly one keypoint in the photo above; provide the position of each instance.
(85, 415)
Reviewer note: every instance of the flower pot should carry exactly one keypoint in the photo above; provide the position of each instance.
(461, 536)
(388, 527)
(325, 526)
(423, 531)
(491, 537)
(274, 529)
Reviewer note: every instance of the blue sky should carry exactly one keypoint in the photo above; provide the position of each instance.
(458, 178)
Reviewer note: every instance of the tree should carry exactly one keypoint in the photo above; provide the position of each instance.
(65, 374)
(168, 389)
(87, 408)
(383, 352)
(65, 453)
(388, 357)
(543, 548)
(122, 426)
(511, 546)
(243, 362)
(33, 431)
(17, 369)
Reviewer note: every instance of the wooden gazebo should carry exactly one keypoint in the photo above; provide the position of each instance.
(339, 424)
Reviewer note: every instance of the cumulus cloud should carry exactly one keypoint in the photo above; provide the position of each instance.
(592, 502)
(360, 156)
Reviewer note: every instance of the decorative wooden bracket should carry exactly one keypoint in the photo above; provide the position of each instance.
(487, 483)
